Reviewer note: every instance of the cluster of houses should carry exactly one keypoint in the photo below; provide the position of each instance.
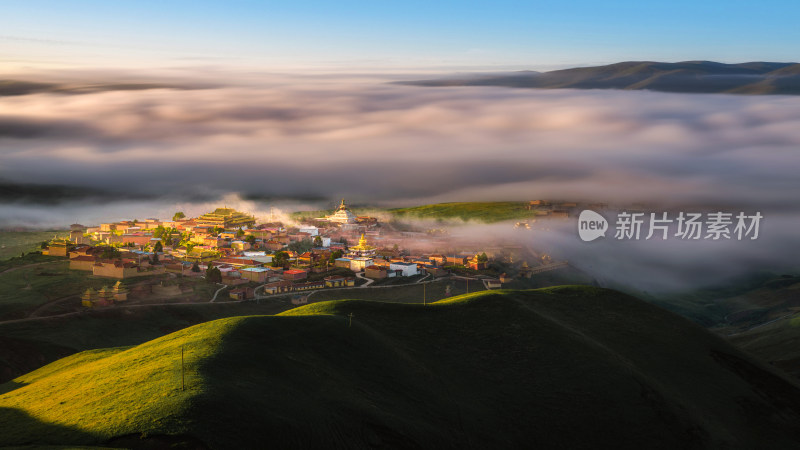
(230, 242)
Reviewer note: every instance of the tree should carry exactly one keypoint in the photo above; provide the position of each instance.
(109, 253)
(159, 232)
(159, 247)
(482, 257)
(317, 241)
(178, 215)
(301, 246)
(154, 259)
(195, 267)
(239, 233)
(250, 239)
(280, 259)
(336, 254)
(213, 274)
(166, 235)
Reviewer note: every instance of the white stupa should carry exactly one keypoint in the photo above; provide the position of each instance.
(342, 215)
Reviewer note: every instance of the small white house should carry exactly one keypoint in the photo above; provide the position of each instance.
(407, 269)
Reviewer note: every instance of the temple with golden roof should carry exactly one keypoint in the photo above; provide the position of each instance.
(226, 218)
(362, 249)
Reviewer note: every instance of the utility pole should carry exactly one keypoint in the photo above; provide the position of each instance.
(467, 285)
(423, 294)
(350, 323)
(183, 372)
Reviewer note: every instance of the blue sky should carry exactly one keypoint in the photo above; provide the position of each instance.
(381, 35)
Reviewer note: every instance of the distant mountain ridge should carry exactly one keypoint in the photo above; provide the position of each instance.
(753, 78)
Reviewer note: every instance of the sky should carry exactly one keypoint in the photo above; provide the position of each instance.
(390, 36)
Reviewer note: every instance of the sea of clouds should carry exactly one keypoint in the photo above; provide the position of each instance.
(190, 142)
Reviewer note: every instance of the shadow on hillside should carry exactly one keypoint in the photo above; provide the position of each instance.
(18, 428)
(19, 356)
(772, 388)
(156, 442)
(10, 386)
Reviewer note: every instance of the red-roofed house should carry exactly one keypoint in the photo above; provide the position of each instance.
(295, 274)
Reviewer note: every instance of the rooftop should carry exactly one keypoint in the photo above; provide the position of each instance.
(294, 271)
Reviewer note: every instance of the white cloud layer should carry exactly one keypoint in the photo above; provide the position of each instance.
(378, 142)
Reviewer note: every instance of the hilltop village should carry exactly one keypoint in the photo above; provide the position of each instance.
(231, 248)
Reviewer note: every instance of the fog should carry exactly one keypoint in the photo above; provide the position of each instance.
(389, 144)
(311, 139)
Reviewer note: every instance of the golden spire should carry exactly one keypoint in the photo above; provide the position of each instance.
(363, 241)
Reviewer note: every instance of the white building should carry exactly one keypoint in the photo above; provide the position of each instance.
(408, 269)
(359, 264)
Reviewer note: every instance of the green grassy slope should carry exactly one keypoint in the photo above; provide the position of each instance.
(25, 346)
(760, 316)
(487, 212)
(778, 343)
(12, 243)
(22, 289)
(568, 367)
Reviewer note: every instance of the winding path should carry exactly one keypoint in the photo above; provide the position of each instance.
(214, 298)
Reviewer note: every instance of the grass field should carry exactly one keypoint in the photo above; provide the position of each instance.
(26, 260)
(569, 367)
(487, 212)
(24, 288)
(25, 346)
(778, 343)
(33, 344)
(12, 243)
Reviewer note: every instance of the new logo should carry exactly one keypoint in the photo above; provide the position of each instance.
(591, 225)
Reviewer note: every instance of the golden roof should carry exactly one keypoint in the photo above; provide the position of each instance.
(362, 244)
